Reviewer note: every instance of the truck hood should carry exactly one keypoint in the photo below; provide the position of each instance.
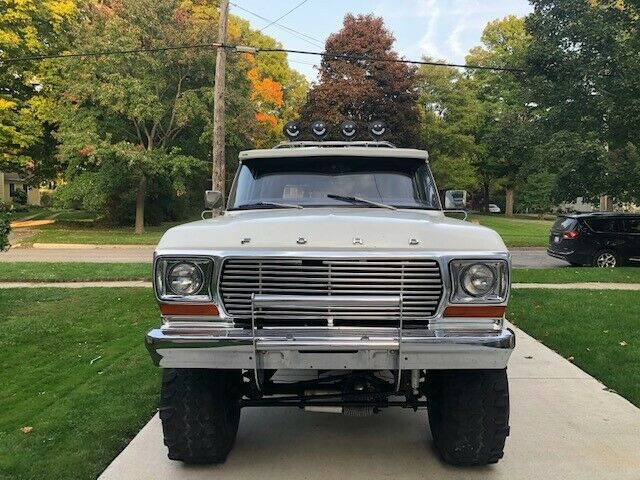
(332, 229)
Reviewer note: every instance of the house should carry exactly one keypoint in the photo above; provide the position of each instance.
(10, 182)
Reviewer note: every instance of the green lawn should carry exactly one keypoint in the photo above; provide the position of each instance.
(517, 232)
(76, 233)
(48, 213)
(576, 274)
(599, 329)
(75, 369)
(69, 272)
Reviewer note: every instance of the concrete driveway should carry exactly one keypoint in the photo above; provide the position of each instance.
(564, 425)
(525, 258)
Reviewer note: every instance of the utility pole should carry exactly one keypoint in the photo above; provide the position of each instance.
(218, 174)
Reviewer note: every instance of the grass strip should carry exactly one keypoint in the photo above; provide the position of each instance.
(576, 275)
(72, 272)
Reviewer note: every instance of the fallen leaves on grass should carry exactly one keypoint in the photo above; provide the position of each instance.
(571, 359)
(623, 343)
(26, 429)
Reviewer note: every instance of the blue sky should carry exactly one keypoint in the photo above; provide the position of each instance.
(443, 29)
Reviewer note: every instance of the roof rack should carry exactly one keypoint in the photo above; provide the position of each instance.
(365, 143)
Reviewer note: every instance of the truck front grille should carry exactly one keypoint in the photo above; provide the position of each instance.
(419, 281)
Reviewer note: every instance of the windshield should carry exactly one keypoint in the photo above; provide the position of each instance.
(321, 181)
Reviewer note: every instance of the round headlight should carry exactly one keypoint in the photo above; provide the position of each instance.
(185, 278)
(478, 279)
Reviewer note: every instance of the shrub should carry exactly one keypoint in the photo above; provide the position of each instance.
(20, 196)
(47, 199)
(5, 226)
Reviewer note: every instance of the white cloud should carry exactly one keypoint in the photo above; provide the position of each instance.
(428, 41)
(454, 41)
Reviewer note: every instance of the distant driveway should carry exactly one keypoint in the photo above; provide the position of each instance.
(534, 258)
(140, 254)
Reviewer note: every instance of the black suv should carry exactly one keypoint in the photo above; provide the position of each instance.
(598, 239)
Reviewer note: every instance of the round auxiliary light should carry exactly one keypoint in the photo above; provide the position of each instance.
(319, 130)
(185, 278)
(348, 129)
(291, 130)
(377, 129)
(478, 279)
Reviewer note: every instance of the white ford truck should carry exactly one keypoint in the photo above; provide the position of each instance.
(333, 282)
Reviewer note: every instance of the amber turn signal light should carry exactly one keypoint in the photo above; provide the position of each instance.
(189, 309)
(492, 311)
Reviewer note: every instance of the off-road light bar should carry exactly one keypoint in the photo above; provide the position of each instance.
(348, 129)
(319, 130)
(292, 131)
(377, 129)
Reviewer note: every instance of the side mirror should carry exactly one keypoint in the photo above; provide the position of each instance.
(212, 200)
(456, 210)
(455, 199)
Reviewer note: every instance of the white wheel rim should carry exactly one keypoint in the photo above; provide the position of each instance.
(606, 260)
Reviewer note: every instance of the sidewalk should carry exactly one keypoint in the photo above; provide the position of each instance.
(564, 425)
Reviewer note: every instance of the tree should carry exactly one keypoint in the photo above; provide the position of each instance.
(578, 163)
(450, 115)
(509, 129)
(361, 88)
(144, 109)
(29, 27)
(537, 192)
(584, 62)
(277, 91)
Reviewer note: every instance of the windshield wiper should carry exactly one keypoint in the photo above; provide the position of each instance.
(346, 198)
(268, 205)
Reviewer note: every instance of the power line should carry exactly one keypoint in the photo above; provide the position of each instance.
(302, 36)
(333, 55)
(283, 15)
(102, 53)
(349, 56)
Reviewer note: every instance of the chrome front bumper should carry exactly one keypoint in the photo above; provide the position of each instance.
(329, 349)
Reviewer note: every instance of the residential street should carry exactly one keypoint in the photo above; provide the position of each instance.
(124, 254)
(564, 425)
(534, 258)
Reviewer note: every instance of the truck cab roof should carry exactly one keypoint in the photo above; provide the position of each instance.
(334, 149)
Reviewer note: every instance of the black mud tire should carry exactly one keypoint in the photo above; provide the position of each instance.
(200, 412)
(468, 415)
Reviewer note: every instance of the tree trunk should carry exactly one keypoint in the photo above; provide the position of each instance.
(510, 195)
(142, 193)
(485, 196)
